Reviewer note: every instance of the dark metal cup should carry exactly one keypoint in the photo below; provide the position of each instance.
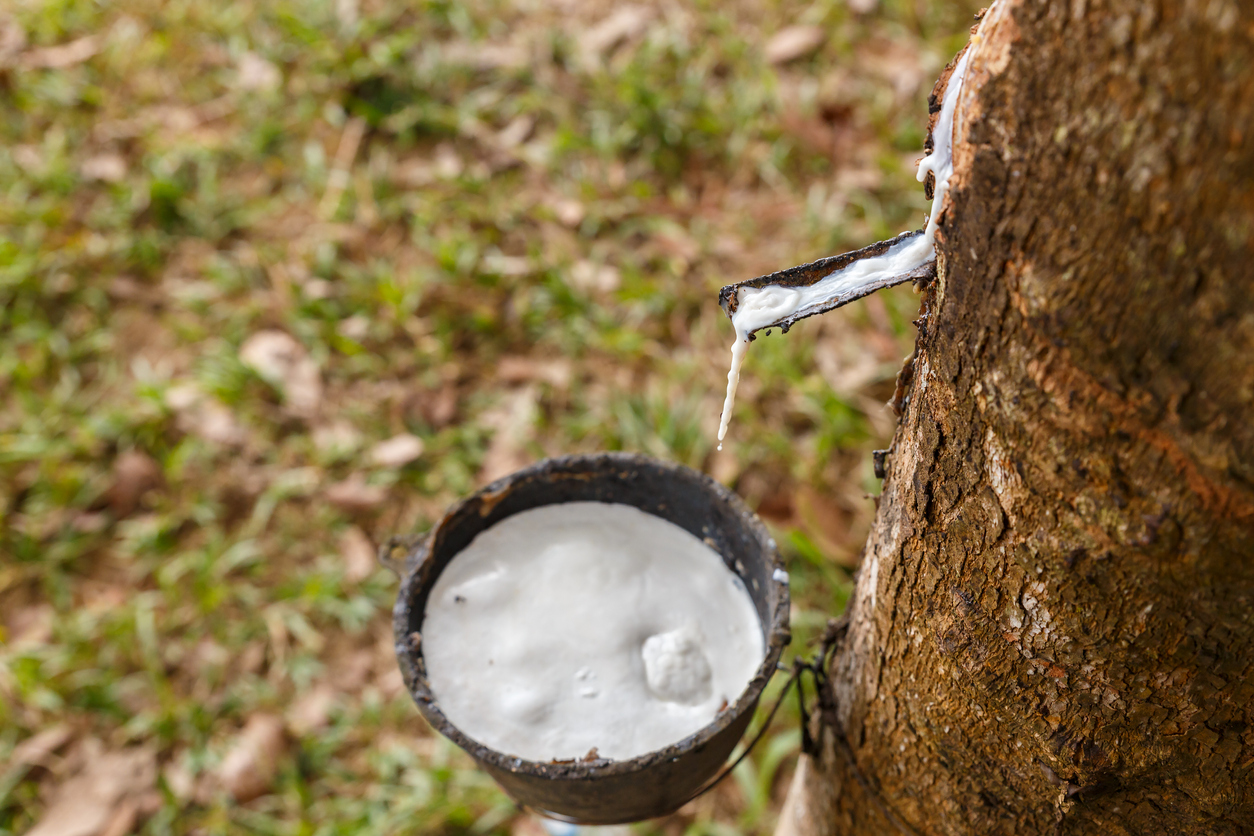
(601, 791)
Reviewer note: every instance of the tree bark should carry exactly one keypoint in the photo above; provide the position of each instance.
(1053, 627)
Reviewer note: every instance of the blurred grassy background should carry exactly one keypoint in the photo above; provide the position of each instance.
(279, 279)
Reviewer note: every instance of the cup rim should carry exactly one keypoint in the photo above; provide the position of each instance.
(777, 634)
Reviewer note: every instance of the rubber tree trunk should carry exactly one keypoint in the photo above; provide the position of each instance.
(1053, 627)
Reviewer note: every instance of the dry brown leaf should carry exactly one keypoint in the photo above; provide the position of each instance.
(355, 327)
(355, 495)
(249, 768)
(62, 56)
(437, 409)
(89, 803)
(102, 597)
(256, 73)
(12, 40)
(133, 809)
(242, 486)
(209, 654)
(353, 671)
(337, 438)
(358, 554)
(180, 780)
(445, 164)
(38, 748)
(338, 178)
(506, 265)
(109, 168)
(283, 362)
(846, 371)
(30, 626)
(213, 421)
(777, 508)
(859, 177)
(812, 133)
(203, 416)
(312, 710)
(253, 657)
(792, 43)
(516, 132)
(526, 825)
(569, 212)
(484, 56)
(346, 12)
(590, 277)
(527, 369)
(512, 422)
(29, 159)
(622, 25)
(390, 683)
(125, 817)
(412, 174)
(676, 241)
(89, 522)
(80, 816)
(397, 451)
(134, 474)
(898, 64)
(728, 246)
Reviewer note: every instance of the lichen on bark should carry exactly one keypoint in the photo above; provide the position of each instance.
(1053, 628)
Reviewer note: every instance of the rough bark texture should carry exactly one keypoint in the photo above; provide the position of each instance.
(1053, 630)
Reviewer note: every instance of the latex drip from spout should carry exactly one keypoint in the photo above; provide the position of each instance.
(906, 257)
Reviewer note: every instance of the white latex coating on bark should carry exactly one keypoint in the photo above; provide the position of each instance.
(941, 161)
(587, 625)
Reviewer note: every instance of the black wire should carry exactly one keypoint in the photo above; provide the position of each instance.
(807, 742)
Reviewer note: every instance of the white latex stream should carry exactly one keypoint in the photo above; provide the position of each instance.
(761, 307)
(587, 625)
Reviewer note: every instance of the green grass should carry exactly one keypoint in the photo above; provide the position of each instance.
(500, 301)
